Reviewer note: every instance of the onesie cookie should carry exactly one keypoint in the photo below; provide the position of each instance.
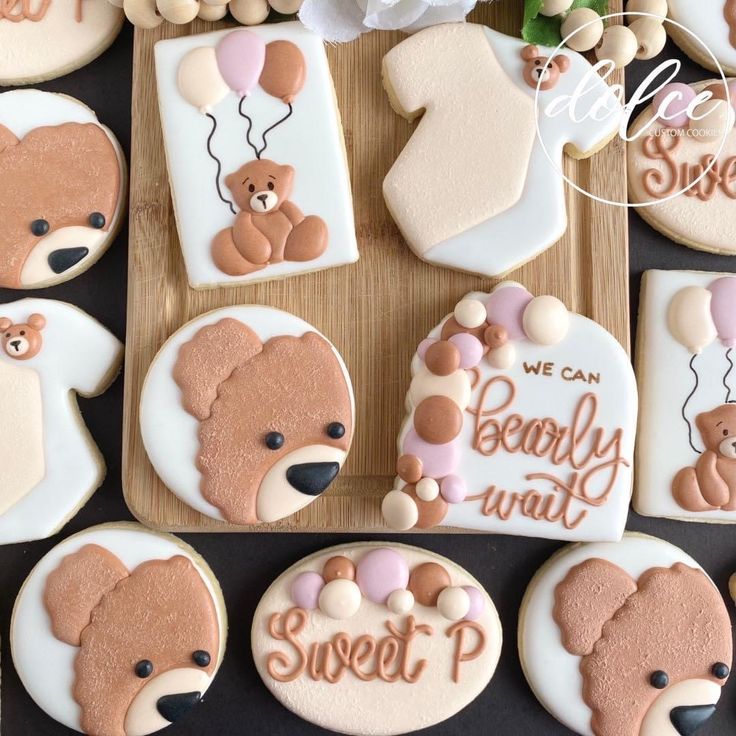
(256, 157)
(63, 186)
(247, 414)
(45, 39)
(625, 639)
(375, 639)
(684, 168)
(118, 631)
(49, 351)
(520, 420)
(475, 188)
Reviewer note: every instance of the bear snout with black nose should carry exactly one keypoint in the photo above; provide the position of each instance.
(65, 258)
(687, 719)
(175, 707)
(312, 478)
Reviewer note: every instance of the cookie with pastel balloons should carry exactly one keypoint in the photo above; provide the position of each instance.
(681, 162)
(520, 420)
(375, 639)
(256, 195)
(686, 456)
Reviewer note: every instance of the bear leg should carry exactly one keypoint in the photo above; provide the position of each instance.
(686, 491)
(307, 241)
(228, 258)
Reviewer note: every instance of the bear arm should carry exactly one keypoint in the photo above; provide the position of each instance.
(292, 212)
(249, 241)
(713, 488)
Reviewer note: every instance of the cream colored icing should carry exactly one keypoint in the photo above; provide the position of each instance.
(657, 721)
(456, 386)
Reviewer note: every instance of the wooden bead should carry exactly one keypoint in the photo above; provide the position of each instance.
(178, 12)
(212, 12)
(116, 3)
(618, 45)
(554, 7)
(286, 7)
(590, 23)
(651, 37)
(216, 2)
(142, 13)
(653, 7)
(250, 12)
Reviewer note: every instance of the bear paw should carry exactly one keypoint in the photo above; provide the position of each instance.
(307, 241)
(686, 491)
(228, 258)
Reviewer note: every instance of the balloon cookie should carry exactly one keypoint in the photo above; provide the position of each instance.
(479, 186)
(686, 453)
(521, 420)
(254, 198)
(625, 639)
(48, 352)
(376, 639)
(45, 39)
(247, 414)
(682, 165)
(118, 630)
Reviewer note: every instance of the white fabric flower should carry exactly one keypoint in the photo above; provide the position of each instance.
(345, 20)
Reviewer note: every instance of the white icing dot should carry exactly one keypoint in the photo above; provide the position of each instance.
(503, 357)
(470, 313)
(340, 599)
(453, 603)
(399, 510)
(546, 320)
(400, 602)
(428, 489)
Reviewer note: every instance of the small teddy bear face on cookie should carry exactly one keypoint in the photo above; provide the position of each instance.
(541, 68)
(718, 430)
(261, 186)
(22, 341)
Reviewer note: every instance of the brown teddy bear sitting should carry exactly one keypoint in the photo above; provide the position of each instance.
(269, 228)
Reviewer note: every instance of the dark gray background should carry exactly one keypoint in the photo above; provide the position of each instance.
(238, 702)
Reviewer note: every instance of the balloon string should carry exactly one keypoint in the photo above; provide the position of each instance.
(273, 127)
(728, 373)
(684, 406)
(243, 114)
(219, 164)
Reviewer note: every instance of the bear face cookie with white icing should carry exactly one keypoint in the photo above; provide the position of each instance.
(375, 639)
(51, 465)
(255, 152)
(479, 185)
(635, 634)
(521, 420)
(118, 631)
(51, 233)
(247, 414)
(44, 39)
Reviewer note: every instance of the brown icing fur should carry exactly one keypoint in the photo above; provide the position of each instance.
(22, 341)
(729, 12)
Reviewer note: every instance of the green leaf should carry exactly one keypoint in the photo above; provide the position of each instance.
(531, 9)
(543, 31)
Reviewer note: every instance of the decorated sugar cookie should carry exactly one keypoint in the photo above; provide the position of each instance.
(44, 39)
(625, 639)
(247, 414)
(51, 232)
(118, 630)
(376, 639)
(51, 466)
(256, 158)
(686, 453)
(500, 199)
(521, 420)
(686, 165)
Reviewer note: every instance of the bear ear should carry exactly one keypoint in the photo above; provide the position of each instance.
(586, 599)
(529, 52)
(37, 322)
(563, 62)
(7, 138)
(5, 324)
(286, 172)
(76, 587)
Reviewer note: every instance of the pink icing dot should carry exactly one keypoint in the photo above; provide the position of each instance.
(677, 108)
(470, 348)
(424, 345)
(477, 604)
(380, 572)
(305, 590)
(506, 307)
(453, 489)
(437, 460)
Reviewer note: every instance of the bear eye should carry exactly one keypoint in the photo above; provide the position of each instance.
(659, 680)
(7, 334)
(270, 186)
(725, 433)
(537, 62)
(251, 188)
(39, 228)
(97, 220)
(201, 658)
(274, 440)
(144, 668)
(335, 430)
(22, 332)
(720, 670)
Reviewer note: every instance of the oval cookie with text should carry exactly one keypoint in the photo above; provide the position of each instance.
(625, 639)
(118, 630)
(521, 420)
(375, 639)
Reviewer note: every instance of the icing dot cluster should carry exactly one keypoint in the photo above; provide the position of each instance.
(383, 576)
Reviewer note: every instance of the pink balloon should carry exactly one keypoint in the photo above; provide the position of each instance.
(506, 306)
(723, 309)
(676, 109)
(240, 58)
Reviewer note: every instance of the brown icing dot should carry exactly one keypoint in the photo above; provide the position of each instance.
(495, 336)
(438, 420)
(717, 90)
(409, 468)
(338, 567)
(453, 327)
(427, 581)
(442, 358)
(431, 513)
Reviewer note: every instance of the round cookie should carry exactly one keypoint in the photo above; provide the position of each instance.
(45, 39)
(625, 639)
(247, 414)
(118, 630)
(406, 645)
(52, 232)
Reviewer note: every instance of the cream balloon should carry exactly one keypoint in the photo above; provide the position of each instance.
(546, 320)
(689, 318)
(199, 79)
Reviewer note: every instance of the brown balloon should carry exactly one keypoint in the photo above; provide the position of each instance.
(284, 71)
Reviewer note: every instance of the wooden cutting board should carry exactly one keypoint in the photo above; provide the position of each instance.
(375, 312)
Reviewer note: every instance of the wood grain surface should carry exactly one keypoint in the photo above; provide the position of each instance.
(376, 311)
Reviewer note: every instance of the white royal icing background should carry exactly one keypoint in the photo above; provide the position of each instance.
(706, 20)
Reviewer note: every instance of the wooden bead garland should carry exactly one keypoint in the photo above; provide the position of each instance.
(151, 13)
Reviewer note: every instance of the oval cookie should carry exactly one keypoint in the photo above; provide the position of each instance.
(375, 639)
(625, 639)
(247, 414)
(118, 630)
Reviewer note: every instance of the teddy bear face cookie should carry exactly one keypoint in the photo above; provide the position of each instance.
(118, 631)
(50, 463)
(253, 199)
(636, 633)
(48, 233)
(247, 414)
(376, 639)
(521, 420)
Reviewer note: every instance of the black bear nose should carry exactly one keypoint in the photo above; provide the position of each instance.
(687, 719)
(262, 198)
(175, 707)
(312, 478)
(15, 344)
(62, 260)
